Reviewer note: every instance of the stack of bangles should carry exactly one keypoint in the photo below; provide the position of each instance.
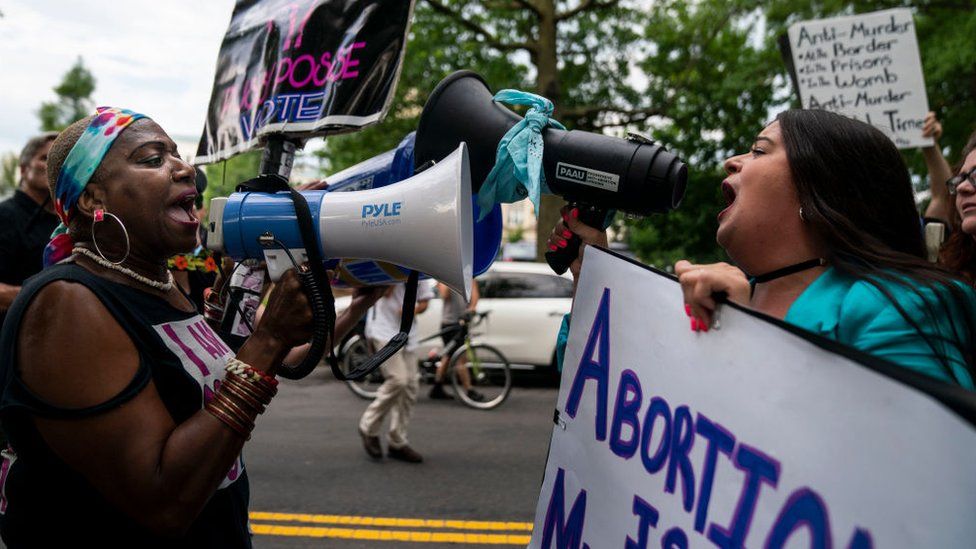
(244, 393)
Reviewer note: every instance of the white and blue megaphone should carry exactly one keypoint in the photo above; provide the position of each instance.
(376, 222)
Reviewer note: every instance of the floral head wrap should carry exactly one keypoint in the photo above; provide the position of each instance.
(79, 166)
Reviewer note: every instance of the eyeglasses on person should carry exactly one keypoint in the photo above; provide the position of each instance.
(953, 183)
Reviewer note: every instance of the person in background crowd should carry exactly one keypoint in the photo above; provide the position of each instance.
(959, 253)
(937, 221)
(940, 206)
(397, 395)
(26, 221)
(821, 213)
(126, 413)
(453, 310)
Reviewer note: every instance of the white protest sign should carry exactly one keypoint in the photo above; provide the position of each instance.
(745, 436)
(864, 66)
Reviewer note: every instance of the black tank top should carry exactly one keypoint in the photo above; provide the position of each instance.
(43, 502)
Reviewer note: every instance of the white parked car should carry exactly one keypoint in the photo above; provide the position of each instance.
(526, 301)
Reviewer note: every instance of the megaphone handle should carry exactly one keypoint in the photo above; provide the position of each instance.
(315, 282)
(322, 326)
(561, 259)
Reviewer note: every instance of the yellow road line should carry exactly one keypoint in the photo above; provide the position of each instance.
(394, 522)
(389, 535)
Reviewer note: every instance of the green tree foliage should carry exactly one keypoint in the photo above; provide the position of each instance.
(223, 177)
(74, 99)
(713, 78)
(710, 87)
(434, 50)
(945, 30)
(574, 53)
(701, 77)
(9, 173)
(516, 235)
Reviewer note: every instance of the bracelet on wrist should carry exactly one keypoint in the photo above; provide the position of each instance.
(247, 371)
(228, 418)
(244, 393)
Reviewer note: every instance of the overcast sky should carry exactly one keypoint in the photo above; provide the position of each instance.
(155, 57)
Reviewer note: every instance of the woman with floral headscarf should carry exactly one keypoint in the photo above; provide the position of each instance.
(126, 413)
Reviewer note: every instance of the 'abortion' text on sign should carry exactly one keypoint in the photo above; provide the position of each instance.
(865, 66)
(746, 436)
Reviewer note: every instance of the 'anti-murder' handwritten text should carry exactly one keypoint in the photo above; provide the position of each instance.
(866, 67)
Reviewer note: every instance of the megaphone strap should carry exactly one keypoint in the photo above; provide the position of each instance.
(264, 183)
(396, 342)
(319, 292)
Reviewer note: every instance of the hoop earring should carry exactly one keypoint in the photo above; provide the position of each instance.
(802, 217)
(98, 218)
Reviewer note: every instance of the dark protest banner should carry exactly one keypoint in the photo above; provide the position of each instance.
(303, 68)
(754, 434)
(865, 66)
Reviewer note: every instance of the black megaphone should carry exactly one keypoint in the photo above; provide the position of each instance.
(595, 172)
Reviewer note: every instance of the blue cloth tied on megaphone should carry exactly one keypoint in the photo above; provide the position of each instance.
(517, 173)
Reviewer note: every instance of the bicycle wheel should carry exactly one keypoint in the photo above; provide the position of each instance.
(355, 352)
(489, 372)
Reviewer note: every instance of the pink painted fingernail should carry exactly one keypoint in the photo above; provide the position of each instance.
(703, 325)
(567, 233)
(575, 212)
(694, 324)
(687, 309)
(552, 248)
(561, 243)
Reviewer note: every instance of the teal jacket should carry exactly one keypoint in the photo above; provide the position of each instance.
(856, 313)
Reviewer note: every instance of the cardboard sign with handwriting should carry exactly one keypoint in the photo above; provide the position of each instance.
(865, 66)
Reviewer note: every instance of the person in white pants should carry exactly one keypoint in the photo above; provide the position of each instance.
(398, 394)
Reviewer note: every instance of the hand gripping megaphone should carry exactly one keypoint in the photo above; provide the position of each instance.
(423, 224)
(597, 172)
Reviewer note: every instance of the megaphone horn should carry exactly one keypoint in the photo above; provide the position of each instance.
(461, 109)
(423, 223)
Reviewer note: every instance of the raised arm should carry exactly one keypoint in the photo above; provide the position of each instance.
(940, 207)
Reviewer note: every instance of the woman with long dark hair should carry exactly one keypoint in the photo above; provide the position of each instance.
(822, 227)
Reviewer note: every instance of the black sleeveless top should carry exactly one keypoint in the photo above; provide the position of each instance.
(43, 502)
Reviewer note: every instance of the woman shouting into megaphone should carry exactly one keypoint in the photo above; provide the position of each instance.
(126, 413)
(821, 224)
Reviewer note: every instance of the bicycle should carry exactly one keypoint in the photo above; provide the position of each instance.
(488, 370)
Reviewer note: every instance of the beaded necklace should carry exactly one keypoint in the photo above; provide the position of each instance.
(164, 286)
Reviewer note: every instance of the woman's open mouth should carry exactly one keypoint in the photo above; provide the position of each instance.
(729, 194)
(181, 211)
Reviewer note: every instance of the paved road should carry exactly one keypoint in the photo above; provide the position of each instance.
(313, 486)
